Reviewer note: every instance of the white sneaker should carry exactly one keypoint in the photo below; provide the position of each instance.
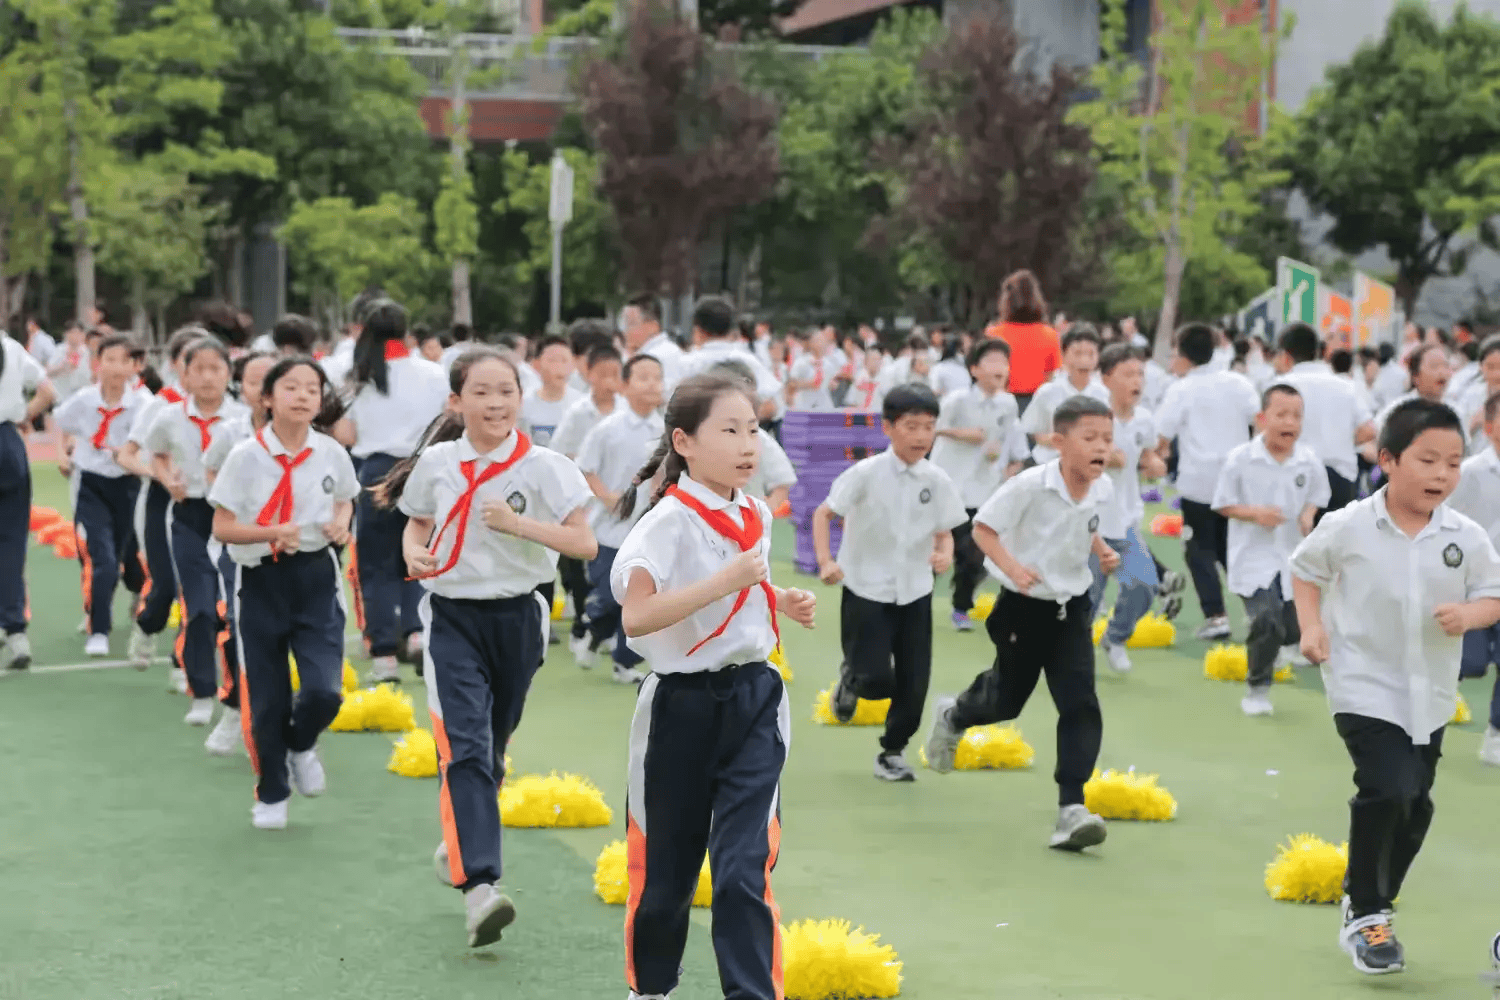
(943, 738)
(628, 675)
(227, 739)
(582, 654)
(1293, 655)
(176, 680)
(490, 911)
(1115, 655)
(17, 651)
(648, 996)
(1489, 747)
(384, 669)
(269, 816)
(96, 646)
(440, 863)
(142, 649)
(201, 713)
(1076, 829)
(1257, 702)
(1215, 628)
(83, 626)
(307, 773)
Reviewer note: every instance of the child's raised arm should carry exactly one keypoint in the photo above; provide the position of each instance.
(646, 610)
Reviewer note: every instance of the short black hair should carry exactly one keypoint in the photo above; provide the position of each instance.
(1195, 341)
(1284, 388)
(1490, 345)
(1385, 353)
(647, 304)
(714, 316)
(913, 397)
(461, 332)
(294, 331)
(1415, 358)
(987, 346)
(1116, 355)
(917, 341)
(547, 340)
(423, 335)
(586, 334)
(602, 353)
(1411, 418)
(1075, 408)
(634, 362)
(1341, 361)
(1081, 333)
(1492, 407)
(1301, 342)
(116, 340)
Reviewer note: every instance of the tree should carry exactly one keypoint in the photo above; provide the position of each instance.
(991, 177)
(681, 142)
(1391, 145)
(31, 176)
(1173, 141)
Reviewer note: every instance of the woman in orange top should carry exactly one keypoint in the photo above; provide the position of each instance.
(1034, 350)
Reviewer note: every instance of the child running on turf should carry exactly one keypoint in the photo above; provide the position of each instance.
(1079, 374)
(1271, 489)
(712, 721)
(1037, 532)
(19, 374)
(899, 513)
(1385, 590)
(485, 508)
(282, 498)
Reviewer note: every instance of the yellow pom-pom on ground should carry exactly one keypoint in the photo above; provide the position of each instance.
(559, 605)
(380, 709)
(1128, 795)
(174, 616)
(1308, 869)
(349, 681)
(826, 960)
(983, 605)
(414, 755)
(612, 877)
(1151, 632)
(1461, 713)
(990, 748)
(866, 713)
(1229, 663)
(556, 800)
(777, 659)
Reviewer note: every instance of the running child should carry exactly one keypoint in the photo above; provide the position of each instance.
(19, 374)
(809, 380)
(1478, 497)
(543, 408)
(603, 374)
(1390, 644)
(1037, 532)
(712, 722)
(1271, 489)
(486, 508)
(899, 512)
(1080, 356)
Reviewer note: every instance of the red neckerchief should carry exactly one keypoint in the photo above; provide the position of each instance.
(170, 394)
(747, 538)
(205, 435)
(869, 388)
(818, 377)
(106, 417)
(278, 509)
(396, 349)
(461, 507)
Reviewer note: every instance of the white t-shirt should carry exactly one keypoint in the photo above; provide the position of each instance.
(540, 418)
(949, 376)
(1037, 419)
(81, 415)
(22, 375)
(966, 465)
(701, 359)
(1209, 413)
(774, 470)
(1125, 508)
(1253, 477)
(820, 372)
(1043, 528)
(391, 423)
(615, 450)
(581, 416)
(178, 431)
(1478, 494)
(664, 349)
(1332, 412)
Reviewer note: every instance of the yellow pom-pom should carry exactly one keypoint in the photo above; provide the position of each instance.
(556, 800)
(414, 755)
(778, 660)
(174, 616)
(1229, 663)
(381, 709)
(559, 605)
(1461, 713)
(291, 665)
(1151, 632)
(866, 713)
(990, 748)
(351, 678)
(826, 960)
(1308, 869)
(983, 605)
(612, 877)
(1128, 795)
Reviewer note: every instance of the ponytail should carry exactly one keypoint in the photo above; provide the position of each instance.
(625, 506)
(448, 426)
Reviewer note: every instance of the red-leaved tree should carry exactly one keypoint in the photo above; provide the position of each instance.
(681, 142)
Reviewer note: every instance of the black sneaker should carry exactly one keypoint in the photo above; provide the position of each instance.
(891, 765)
(844, 701)
(1372, 943)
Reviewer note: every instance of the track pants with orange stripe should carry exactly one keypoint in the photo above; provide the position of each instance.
(104, 517)
(15, 514)
(289, 605)
(157, 607)
(190, 528)
(480, 657)
(706, 752)
(229, 646)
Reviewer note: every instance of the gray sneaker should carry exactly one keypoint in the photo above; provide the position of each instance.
(942, 741)
(17, 651)
(890, 765)
(489, 911)
(1216, 627)
(1076, 829)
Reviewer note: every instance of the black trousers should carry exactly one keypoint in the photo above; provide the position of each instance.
(104, 518)
(1205, 547)
(968, 565)
(888, 654)
(1342, 492)
(575, 580)
(706, 752)
(15, 511)
(1391, 809)
(1033, 637)
(161, 589)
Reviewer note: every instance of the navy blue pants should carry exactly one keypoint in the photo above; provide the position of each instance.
(390, 599)
(706, 752)
(198, 579)
(104, 518)
(157, 606)
(229, 646)
(15, 525)
(480, 657)
(288, 606)
(604, 622)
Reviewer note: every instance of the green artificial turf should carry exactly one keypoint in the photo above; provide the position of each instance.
(131, 870)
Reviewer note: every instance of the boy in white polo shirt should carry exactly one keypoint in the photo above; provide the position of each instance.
(1398, 578)
(1335, 419)
(1037, 532)
(1478, 497)
(899, 510)
(1270, 489)
(1079, 374)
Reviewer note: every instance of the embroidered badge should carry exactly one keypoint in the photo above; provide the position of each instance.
(328, 485)
(1453, 556)
(925, 496)
(516, 502)
(1094, 524)
(1301, 480)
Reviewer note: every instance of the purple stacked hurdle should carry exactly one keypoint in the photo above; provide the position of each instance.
(821, 445)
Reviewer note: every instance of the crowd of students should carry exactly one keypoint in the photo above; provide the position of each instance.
(456, 484)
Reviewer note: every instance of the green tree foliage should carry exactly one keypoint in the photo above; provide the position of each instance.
(1393, 146)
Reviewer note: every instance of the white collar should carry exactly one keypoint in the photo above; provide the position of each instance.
(659, 340)
(272, 443)
(1442, 518)
(1052, 479)
(900, 467)
(1320, 367)
(1260, 452)
(506, 448)
(190, 407)
(708, 497)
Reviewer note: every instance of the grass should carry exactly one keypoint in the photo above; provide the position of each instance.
(132, 872)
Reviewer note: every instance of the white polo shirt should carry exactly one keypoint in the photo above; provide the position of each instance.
(949, 376)
(1209, 413)
(392, 423)
(677, 549)
(1332, 412)
(1037, 419)
(1252, 476)
(1391, 381)
(966, 465)
(540, 418)
(580, 417)
(1478, 494)
(81, 416)
(227, 434)
(820, 371)
(774, 470)
(1126, 508)
(543, 486)
(1044, 529)
(251, 473)
(174, 433)
(1157, 380)
(701, 359)
(73, 371)
(614, 451)
(664, 349)
(22, 375)
(891, 512)
(1388, 657)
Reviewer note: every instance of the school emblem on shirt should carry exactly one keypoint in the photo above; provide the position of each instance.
(516, 502)
(328, 485)
(925, 496)
(1301, 480)
(1094, 524)
(1453, 556)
